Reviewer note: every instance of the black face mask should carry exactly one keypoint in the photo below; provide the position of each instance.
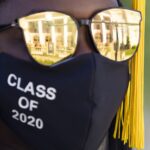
(66, 107)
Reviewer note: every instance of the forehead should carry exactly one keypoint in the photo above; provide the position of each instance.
(12, 9)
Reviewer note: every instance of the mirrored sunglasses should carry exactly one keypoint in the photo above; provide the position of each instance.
(52, 36)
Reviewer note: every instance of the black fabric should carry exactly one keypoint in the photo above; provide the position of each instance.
(110, 85)
(76, 100)
(116, 144)
(66, 118)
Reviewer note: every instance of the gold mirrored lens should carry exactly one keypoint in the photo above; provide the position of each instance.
(50, 36)
(116, 33)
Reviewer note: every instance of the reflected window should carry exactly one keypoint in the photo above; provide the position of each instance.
(46, 26)
(33, 27)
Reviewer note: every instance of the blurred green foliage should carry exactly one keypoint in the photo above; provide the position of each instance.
(127, 3)
(147, 55)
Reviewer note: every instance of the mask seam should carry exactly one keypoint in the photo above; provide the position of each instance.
(90, 97)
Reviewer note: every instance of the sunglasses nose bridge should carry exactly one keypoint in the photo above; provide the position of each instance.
(84, 22)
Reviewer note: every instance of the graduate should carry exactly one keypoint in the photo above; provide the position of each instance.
(69, 73)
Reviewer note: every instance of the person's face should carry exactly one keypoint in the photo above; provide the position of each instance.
(78, 8)
(11, 41)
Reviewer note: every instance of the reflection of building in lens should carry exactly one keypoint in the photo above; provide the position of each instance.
(50, 34)
(36, 43)
(102, 32)
(115, 34)
(49, 45)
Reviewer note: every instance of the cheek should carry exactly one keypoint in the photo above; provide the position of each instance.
(16, 46)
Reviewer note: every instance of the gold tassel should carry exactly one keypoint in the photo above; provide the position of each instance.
(130, 116)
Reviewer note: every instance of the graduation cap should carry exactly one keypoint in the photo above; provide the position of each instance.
(129, 125)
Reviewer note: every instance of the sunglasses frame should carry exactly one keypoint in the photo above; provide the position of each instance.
(78, 22)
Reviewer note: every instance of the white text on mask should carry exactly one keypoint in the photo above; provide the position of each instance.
(41, 91)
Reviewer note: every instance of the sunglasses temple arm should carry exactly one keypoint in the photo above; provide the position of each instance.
(7, 26)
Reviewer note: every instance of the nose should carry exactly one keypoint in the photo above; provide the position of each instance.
(85, 44)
